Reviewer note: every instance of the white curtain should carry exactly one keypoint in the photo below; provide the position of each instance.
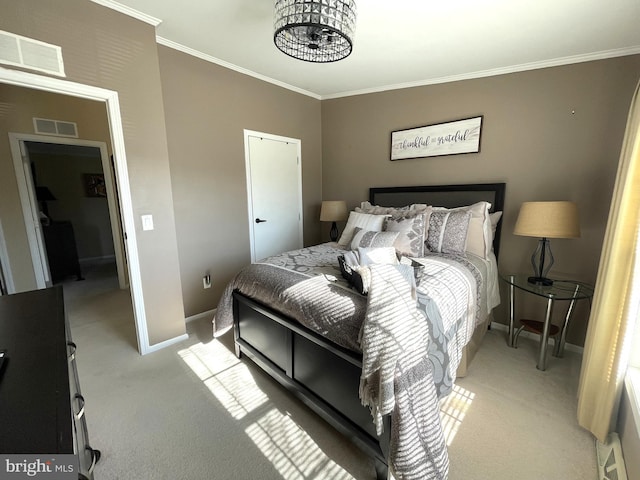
(616, 299)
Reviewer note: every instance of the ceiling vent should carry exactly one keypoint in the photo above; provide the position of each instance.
(44, 126)
(29, 53)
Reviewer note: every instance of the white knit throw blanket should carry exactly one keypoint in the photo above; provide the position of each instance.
(397, 377)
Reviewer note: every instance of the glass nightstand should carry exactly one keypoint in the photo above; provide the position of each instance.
(568, 290)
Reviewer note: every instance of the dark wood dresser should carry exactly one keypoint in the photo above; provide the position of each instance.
(41, 406)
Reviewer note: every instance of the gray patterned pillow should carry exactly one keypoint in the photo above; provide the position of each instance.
(366, 207)
(367, 238)
(448, 231)
(412, 228)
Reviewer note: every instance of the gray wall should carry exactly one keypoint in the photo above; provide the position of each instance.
(207, 108)
(107, 49)
(550, 134)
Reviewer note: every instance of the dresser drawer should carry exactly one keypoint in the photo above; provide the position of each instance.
(42, 408)
(87, 456)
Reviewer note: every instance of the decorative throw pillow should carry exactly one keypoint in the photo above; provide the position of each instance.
(366, 207)
(354, 265)
(366, 238)
(412, 228)
(351, 274)
(448, 231)
(363, 220)
(384, 255)
(479, 239)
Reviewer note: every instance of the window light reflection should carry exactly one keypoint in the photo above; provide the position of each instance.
(287, 446)
(291, 450)
(453, 409)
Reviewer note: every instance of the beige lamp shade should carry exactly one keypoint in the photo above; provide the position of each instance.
(548, 220)
(333, 211)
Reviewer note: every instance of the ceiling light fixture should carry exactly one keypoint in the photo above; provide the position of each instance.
(317, 31)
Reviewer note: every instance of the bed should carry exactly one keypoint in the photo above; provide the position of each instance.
(303, 320)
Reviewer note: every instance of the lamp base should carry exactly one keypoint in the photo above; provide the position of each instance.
(333, 233)
(540, 268)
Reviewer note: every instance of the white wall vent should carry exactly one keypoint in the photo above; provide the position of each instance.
(44, 126)
(610, 460)
(29, 53)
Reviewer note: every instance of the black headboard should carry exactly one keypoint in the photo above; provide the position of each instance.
(449, 196)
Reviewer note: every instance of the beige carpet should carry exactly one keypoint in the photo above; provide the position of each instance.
(193, 411)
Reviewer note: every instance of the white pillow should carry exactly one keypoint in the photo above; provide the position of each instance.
(373, 223)
(495, 218)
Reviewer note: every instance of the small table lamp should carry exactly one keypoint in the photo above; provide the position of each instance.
(546, 220)
(44, 195)
(333, 211)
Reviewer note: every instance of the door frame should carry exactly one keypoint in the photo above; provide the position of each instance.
(29, 201)
(5, 266)
(247, 159)
(110, 98)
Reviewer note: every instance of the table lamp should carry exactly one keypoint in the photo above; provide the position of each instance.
(546, 220)
(333, 211)
(44, 195)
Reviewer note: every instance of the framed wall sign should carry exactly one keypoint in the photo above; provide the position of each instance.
(450, 138)
(94, 185)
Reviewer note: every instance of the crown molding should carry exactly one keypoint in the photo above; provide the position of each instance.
(556, 62)
(588, 57)
(208, 58)
(118, 7)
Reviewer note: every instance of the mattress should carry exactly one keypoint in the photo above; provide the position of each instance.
(455, 293)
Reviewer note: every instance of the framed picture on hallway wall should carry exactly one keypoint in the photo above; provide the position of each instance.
(94, 185)
(449, 138)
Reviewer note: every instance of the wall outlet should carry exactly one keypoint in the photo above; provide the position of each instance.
(206, 281)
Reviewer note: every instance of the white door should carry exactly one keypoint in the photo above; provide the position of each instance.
(30, 211)
(274, 184)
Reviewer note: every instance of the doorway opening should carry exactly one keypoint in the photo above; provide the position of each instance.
(110, 99)
(69, 204)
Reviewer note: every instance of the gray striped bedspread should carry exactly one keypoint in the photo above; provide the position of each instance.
(306, 285)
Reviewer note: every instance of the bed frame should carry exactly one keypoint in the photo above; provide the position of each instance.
(326, 376)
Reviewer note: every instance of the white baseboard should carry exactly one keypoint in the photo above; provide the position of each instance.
(166, 343)
(610, 459)
(568, 346)
(200, 316)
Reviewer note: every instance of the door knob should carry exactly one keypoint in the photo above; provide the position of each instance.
(260, 221)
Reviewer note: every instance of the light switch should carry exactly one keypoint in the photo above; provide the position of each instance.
(147, 222)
